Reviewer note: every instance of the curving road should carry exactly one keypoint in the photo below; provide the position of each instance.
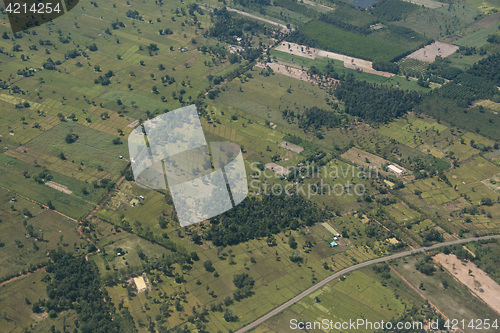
(350, 269)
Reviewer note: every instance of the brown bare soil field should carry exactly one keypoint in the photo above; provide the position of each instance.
(430, 52)
(277, 169)
(59, 187)
(477, 280)
(312, 53)
(291, 146)
(296, 73)
(486, 22)
(360, 157)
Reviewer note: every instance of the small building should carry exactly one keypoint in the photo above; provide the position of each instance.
(333, 244)
(398, 171)
(141, 197)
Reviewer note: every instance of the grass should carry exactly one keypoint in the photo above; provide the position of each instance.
(51, 229)
(256, 101)
(449, 300)
(362, 295)
(381, 45)
(442, 22)
(477, 38)
(12, 178)
(320, 63)
(93, 148)
(17, 314)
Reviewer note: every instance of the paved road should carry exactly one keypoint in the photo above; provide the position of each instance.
(350, 269)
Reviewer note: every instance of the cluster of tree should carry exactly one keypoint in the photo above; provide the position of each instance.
(43, 176)
(256, 217)
(50, 64)
(333, 19)
(383, 270)
(244, 283)
(375, 102)
(228, 26)
(474, 119)
(316, 118)
(26, 72)
(74, 284)
(493, 39)
(103, 183)
(117, 25)
(433, 236)
(217, 50)
(487, 68)
(134, 14)
(466, 87)
(71, 137)
(386, 66)
(426, 266)
(374, 230)
(425, 311)
(104, 80)
(392, 10)
(71, 54)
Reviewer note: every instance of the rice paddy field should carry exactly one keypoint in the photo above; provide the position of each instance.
(63, 134)
(362, 293)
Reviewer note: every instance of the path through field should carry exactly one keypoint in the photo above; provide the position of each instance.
(336, 275)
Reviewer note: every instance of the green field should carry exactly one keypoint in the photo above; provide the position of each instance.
(381, 45)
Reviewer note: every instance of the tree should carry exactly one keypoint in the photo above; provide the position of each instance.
(50, 205)
(162, 222)
(208, 266)
(71, 138)
(229, 316)
(242, 280)
(27, 213)
(291, 242)
(117, 141)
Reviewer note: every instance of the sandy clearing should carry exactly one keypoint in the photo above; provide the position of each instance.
(277, 169)
(282, 26)
(59, 187)
(427, 3)
(430, 52)
(495, 107)
(312, 53)
(477, 281)
(360, 157)
(296, 73)
(312, 3)
(140, 284)
(291, 146)
(133, 124)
